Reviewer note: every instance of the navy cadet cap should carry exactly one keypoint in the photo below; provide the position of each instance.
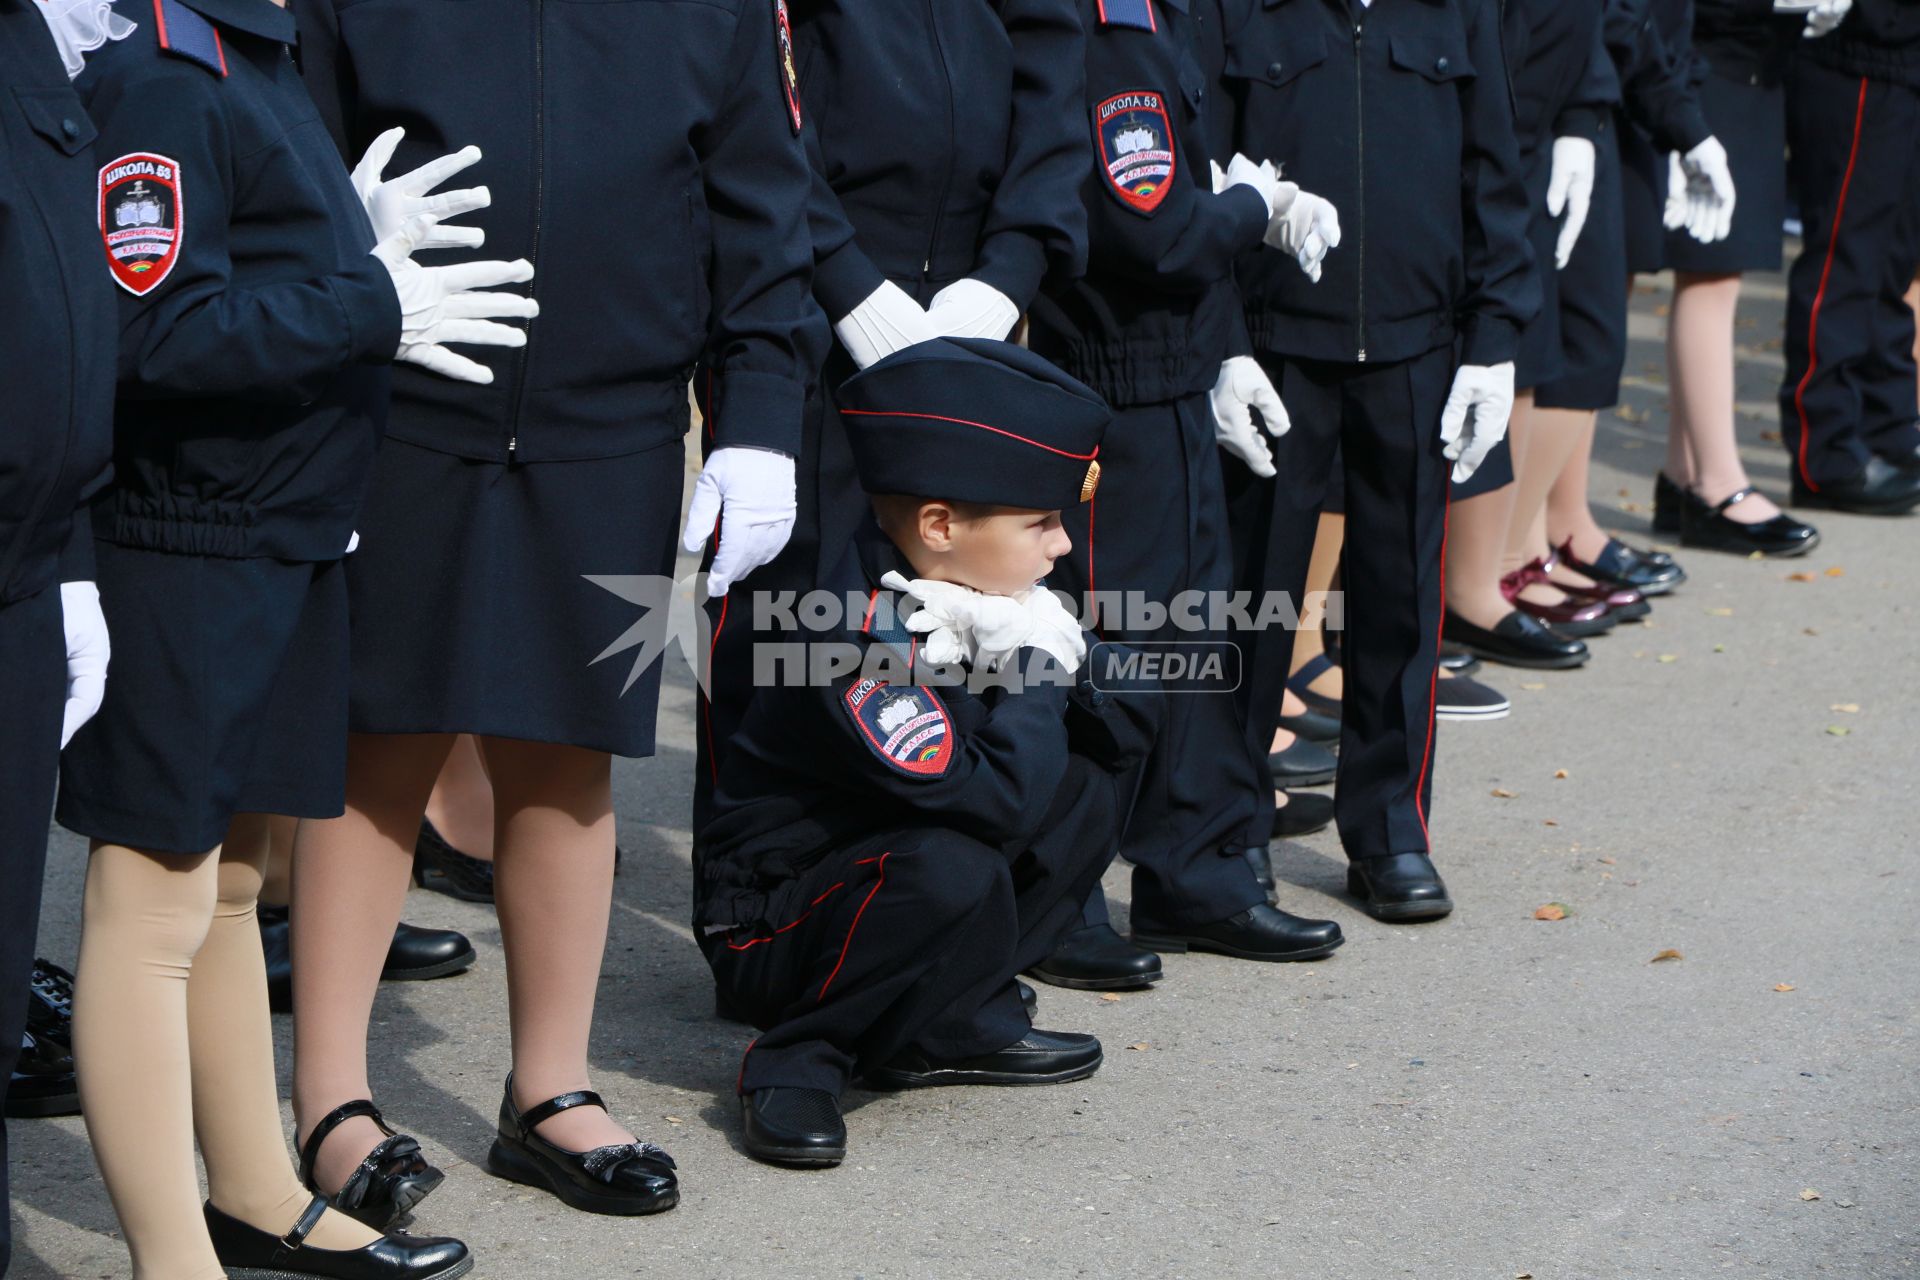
(974, 420)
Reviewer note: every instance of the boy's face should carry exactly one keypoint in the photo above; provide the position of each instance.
(1002, 552)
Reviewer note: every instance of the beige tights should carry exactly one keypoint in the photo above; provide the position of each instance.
(173, 1040)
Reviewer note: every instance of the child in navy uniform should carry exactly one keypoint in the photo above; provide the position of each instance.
(888, 852)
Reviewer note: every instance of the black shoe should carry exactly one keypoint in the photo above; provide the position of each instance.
(42, 1083)
(1260, 862)
(1458, 661)
(1651, 573)
(1398, 887)
(1302, 765)
(442, 868)
(1039, 1057)
(389, 1182)
(1029, 999)
(1711, 529)
(1910, 459)
(625, 1179)
(50, 1002)
(276, 941)
(1301, 682)
(1098, 959)
(1517, 640)
(1303, 814)
(1881, 489)
(418, 954)
(248, 1253)
(1311, 726)
(1671, 503)
(798, 1128)
(1258, 933)
(1459, 698)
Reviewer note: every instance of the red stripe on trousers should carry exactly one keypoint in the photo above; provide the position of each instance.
(1433, 681)
(854, 927)
(1820, 294)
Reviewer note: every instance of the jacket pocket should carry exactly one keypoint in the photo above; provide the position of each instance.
(1280, 62)
(1437, 57)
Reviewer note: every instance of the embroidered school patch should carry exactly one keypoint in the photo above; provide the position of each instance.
(1136, 148)
(789, 74)
(140, 219)
(907, 728)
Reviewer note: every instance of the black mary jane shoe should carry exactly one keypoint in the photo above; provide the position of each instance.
(440, 867)
(1399, 887)
(389, 1181)
(794, 1128)
(1303, 814)
(248, 1253)
(1098, 959)
(1304, 764)
(1671, 503)
(1260, 932)
(1651, 573)
(1311, 726)
(1711, 529)
(623, 1179)
(1301, 682)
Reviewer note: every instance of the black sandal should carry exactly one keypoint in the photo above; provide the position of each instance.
(627, 1178)
(391, 1180)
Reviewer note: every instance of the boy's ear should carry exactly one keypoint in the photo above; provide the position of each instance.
(935, 524)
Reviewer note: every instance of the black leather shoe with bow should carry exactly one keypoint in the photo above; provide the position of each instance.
(248, 1253)
(1399, 887)
(1258, 933)
(625, 1179)
(390, 1180)
(798, 1128)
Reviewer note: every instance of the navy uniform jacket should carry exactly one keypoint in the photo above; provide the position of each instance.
(1660, 71)
(255, 330)
(56, 315)
(645, 159)
(947, 142)
(1564, 83)
(1402, 116)
(1157, 311)
(814, 769)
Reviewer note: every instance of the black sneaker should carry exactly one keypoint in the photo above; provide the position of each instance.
(1458, 698)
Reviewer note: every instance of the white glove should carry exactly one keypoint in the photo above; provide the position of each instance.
(751, 492)
(445, 304)
(1263, 178)
(888, 321)
(1055, 630)
(1700, 192)
(403, 205)
(1570, 190)
(1304, 226)
(961, 624)
(1242, 387)
(970, 308)
(1822, 15)
(1476, 414)
(87, 653)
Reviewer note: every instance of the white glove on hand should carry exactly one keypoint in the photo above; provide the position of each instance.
(1570, 190)
(970, 308)
(87, 653)
(445, 304)
(1242, 387)
(1263, 178)
(1304, 226)
(1055, 630)
(889, 320)
(961, 624)
(1822, 15)
(1475, 418)
(1700, 192)
(403, 205)
(751, 492)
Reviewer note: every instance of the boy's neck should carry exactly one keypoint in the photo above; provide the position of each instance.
(924, 564)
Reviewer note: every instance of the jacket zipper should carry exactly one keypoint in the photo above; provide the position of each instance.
(953, 139)
(539, 203)
(1360, 187)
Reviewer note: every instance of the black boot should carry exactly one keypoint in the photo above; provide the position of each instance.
(625, 1179)
(1399, 887)
(1258, 933)
(1098, 959)
(798, 1128)
(248, 1253)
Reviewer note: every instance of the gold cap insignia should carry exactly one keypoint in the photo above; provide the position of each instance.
(1091, 483)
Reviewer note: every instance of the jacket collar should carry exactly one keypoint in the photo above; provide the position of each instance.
(261, 18)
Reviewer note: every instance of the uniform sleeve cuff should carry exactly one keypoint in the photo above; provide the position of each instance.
(1488, 340)
(844, 279)
(1581, 122)
(759, 410)
(365, 293)
(1691, 128)
(76, 558)
(1014, 263)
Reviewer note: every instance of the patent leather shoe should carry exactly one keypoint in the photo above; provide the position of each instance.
(623, 1179)
(1778, 536)
(1517, 640)
(248, 1253)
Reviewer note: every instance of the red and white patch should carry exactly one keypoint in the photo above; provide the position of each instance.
(1136, 148)
(140, 219)
(789, 74)
(906, 727)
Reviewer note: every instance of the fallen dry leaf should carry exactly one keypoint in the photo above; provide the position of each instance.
(1533, 688)
(1668, 954)
(1630, 507)
(1669, 657)
(1719, 648)
(1609, 861)
(1799, 577)
(674, 1120)
(1559, 773)
(1809, 1194)
(1756, 555)
(1552, 911)
(1849, 708)
(1501, 793)
(1808, 631)
(1142, 1047)
(1783, 986)
(1111, 998)
(1720, 613)
(1626, 493)
(1549, 822)
(1838, 730)
(1835, 571)
(1771, 437)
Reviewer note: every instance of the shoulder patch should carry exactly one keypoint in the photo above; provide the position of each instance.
(1137, 14)
(1136, 148)
(140, 219)
(789, 74)
(908, 728)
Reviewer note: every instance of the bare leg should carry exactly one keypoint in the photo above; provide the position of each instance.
(1550, 438)
(1700, 441)
(1477, 537)
(276, 889)
(1568, 514)
(350, 883)
(1311, 642)
(461, 806)
(553, 891)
